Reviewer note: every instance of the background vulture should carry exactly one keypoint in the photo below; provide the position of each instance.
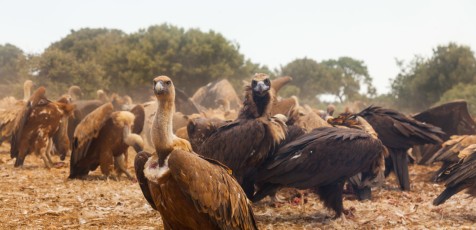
(399, 133)
(324, 159)
(35, 126)
(452, 117)
(244, 144)
(190, 192)
(103, 137)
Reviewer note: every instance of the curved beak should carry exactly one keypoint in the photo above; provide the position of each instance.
(159, 87)
(261, 88)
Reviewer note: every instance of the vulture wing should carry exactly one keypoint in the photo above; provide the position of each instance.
(139, 114)
(139, 162)
(212, 190)
(88, 130)
(7, 120)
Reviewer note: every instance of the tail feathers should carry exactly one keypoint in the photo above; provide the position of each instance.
(449, 192)
(400, 165)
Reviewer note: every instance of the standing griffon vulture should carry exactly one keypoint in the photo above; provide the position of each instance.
(189, 191)
(324, 159)
(244, 144)
(35, 127)
(103, 137)
(10, 109)
(399, 133)
(459, 176)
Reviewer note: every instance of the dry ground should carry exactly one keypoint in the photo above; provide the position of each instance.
(33, 197)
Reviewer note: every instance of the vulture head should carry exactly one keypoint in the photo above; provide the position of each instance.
(164, 89)
(75, 92)
(260, 85)
(27, 85)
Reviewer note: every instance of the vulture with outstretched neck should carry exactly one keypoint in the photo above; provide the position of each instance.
(244, 144)
(459, 176)
(399, 133)
(189, 191)
(35, 126)
(103, 138)
(323, 159)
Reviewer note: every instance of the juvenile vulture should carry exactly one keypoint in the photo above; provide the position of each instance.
(189, 191)
(244, 144)
(324, 159)
(35, 126)
(102, 139)
(399, 133)
(452, 117)
(358, 182)
(459, 176)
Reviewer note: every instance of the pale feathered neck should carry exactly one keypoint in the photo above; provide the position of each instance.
(162, 129)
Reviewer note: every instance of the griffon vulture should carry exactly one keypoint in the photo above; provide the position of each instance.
(103, 138)
(189, 191)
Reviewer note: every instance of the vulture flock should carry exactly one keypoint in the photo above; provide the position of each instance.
(202, 161)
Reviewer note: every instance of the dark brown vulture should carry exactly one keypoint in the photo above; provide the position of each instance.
(399, 133)
(244, 144)
(324, 159)
(35, 127)
(459, 176)
(358, 182)
(200, 128)
(453, 118)
(103, 138)
(189, 191)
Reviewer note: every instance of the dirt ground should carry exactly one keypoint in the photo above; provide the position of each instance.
(33, 197)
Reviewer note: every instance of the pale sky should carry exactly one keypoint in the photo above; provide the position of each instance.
(272, 33)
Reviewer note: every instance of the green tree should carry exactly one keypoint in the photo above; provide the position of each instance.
(13, 64)
(423, 81)
(461, 92)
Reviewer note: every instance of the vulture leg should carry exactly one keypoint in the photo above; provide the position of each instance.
(120, 166)
(388, 166)
(331, 194)
(46, 160)
(49, 149)
(105, 162)
(400, 165)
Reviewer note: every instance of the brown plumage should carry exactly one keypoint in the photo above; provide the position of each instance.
(34, 128)
(102, 138)
(322, 159)
(244, 144)
(307, 119)
(399, 133)
(459, 176)
(200, 128)
(208, 95)
(190, 192)
(452, 117)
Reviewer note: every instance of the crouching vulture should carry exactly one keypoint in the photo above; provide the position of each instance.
(244, 144)
(103, 138)
(399, 133)
(459, 176)
(324, 159)
(189, 191)
(35, 126)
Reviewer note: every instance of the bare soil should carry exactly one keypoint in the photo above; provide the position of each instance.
(33, 197)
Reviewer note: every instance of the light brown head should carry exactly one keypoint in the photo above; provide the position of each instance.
(75, 92)
(164, 89)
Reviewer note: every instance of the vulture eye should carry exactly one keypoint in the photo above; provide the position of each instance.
(168, 82)
(42, 102)
(266, 81)
(253, 82)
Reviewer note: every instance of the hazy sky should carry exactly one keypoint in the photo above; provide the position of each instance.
(269, 32)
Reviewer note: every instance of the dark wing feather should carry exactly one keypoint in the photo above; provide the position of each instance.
(19, 125)
(139, 162)
(139, 114)
(399, 131)
(239, 145)
(338, 152)
(217, 194)
(86, 131)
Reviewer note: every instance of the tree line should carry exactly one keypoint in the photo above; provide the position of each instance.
(115, 61)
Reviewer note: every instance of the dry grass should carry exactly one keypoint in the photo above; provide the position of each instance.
(33, 197)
